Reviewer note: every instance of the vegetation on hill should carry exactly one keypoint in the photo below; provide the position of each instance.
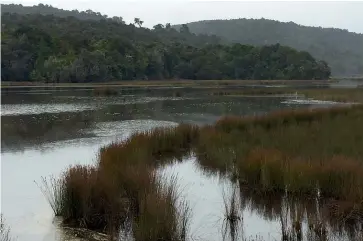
(45, 9)
(342, 50)
(47, 48)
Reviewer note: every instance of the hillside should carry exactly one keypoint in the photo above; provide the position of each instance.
(48, 48)
(342, 50)
(47, 9)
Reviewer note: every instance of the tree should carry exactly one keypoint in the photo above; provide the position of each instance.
(184, 29)
(158, 27)
(138, 22)
(118, 19)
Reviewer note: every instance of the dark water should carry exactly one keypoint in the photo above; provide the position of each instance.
(46, 130)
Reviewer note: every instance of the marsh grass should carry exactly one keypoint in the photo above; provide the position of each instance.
(160, 216)
(123, 190)
(233, 220)
(4, 230)
(52, 188)
(298, 153)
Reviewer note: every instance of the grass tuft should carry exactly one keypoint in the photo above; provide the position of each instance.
(4, 230)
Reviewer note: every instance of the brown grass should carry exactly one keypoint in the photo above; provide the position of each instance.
(123, 191)
(291, 151)
(285, 152)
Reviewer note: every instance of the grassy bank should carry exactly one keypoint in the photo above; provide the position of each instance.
(316, 153)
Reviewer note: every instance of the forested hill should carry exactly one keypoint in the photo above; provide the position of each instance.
(37, 47)
(342, 50)
(49, 10)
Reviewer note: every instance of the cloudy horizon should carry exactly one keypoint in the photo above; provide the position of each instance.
(343, 15)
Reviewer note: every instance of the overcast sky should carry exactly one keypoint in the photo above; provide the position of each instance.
(344, 14)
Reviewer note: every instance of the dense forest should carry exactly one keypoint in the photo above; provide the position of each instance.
(342, 50)
(63, 48)
(45, 9)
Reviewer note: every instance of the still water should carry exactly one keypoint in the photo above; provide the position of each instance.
(46, 130)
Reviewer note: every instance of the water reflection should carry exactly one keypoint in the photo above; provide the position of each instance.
(28, 125)
(224, 210)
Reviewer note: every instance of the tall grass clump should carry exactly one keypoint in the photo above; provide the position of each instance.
(160, 217)
(123, 191)
(4, 230)
(53, 190)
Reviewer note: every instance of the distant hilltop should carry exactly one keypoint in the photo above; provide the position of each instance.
(342, 50)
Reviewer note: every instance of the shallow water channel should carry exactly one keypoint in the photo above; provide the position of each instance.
(46, 130)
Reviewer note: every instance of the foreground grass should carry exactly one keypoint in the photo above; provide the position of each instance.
(123, 190)
(316, 153)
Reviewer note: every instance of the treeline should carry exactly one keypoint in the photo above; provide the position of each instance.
(45, 9)
(342, 50)
(52, 49)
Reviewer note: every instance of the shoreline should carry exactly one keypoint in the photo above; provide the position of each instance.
(158, 83)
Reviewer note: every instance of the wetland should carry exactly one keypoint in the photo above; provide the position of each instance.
(183, 163)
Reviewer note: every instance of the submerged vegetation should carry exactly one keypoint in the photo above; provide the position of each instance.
(105, 91)
(297, 154)
(333, 94)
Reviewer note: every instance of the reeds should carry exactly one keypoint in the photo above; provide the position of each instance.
(4, 230)
(300, 152)
(123, 191)
(159, 218)
(232, 215)
(52, 188)
(295, 153)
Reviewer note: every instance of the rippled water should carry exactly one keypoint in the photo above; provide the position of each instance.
(42, 134)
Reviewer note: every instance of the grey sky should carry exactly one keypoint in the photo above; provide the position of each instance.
(343, 14)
